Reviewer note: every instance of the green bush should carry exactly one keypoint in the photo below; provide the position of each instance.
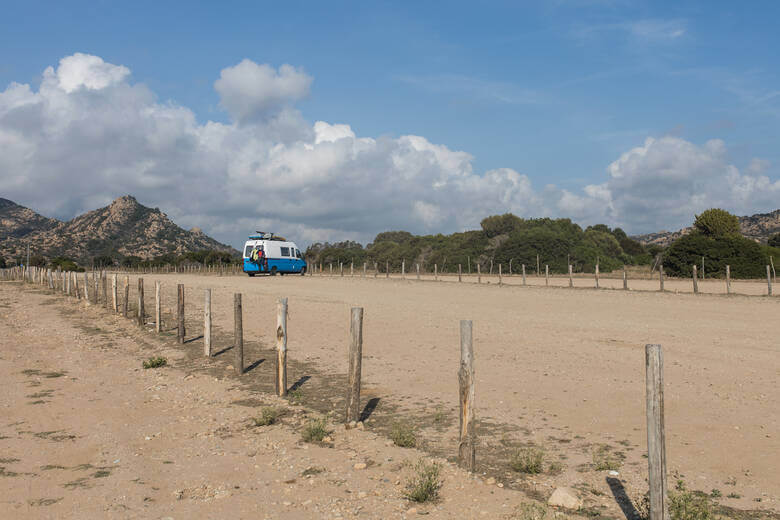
(3, 265)
(717, 222)
(745, 257)
(315, 430)
(403, 435)
(774, 240)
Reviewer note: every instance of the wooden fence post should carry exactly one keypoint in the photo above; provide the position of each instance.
(695, 281)
(125, 307)
(768, 281)
(364, 269)
(355, 364)
(571, 280)
(86, 287)
(546, 275)
(597, 276)
(467, 444)
(418, 271)
(523, 275)
(157, 308)
(500, 282)
(538, 273)
(180, 312)
(114, 295)
(479, 273)
(460, 273)
(661, 277)
(104, 282)
(352, 268)
(656, 438)
(625, 279)
(387, 269)
(96, 280)
(376, 269)
(436, 272)
(281, 347)
(140, 301)
(238, 334)
(728, 279)
(207, 324)
(341, 269)
(403, 269)
(331, 268)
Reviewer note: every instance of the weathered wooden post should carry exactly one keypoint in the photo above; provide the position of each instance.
(597, 276)
(479, 273)
(661, 276)
(341, 269)
(238, 334)
(207, 324)
(467, 442)
(571, 280)
(157, 308)
(114, 295)
(86, 286)
(768, 281)
(331, 268)
(352, 268)
(418, 270)
(140, 301)
(104, 282)
(625, 279)
(538, 272)
(126, 306)
(460, 273)
(656, 438)
(281, 347)
(355, 364)
(523, 275)
(695, 281)
(180, 312)
(546, 275)
(376, 269)
(96, 281)
(510, 266)
(436, 272)
(364, 269)
(403, 269)
(728, 279)
(387, 269)
(500, 282)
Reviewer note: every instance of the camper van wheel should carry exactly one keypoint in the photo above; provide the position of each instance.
(303, 271)
(250, 274)
(273, 271)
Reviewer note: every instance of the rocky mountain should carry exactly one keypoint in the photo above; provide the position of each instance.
(124, 228)
(758, 227)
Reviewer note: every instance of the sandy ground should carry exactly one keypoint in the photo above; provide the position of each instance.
(557, 368)
(87, 433)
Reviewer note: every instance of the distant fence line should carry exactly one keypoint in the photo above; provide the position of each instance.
(94, 292)
(70, 279)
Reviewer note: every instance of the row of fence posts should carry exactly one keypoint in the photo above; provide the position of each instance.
(661, 276)
(656, 443)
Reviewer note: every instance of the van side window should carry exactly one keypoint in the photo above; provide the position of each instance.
(247, 251)
(285, 251)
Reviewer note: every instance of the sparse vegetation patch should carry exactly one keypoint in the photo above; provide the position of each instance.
(268, 415)
(403, 434)
(527, 460)
(315, 430)
(155, 362)
(425, 483)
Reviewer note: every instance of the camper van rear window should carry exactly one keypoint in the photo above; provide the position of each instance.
(247, 251)
(285, 251)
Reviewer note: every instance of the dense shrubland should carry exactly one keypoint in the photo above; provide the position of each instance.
(501, 238)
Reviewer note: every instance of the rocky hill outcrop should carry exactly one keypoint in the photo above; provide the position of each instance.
(758, 227)
(124, 228)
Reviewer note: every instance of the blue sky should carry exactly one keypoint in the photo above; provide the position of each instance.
(555, 91)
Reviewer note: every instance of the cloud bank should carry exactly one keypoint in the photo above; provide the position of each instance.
(89, 134)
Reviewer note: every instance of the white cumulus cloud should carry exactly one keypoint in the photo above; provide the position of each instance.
(89, 135)
(250, 90)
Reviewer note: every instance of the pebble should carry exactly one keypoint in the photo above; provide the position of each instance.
(360, 465)
(613, 473)
(490, 481)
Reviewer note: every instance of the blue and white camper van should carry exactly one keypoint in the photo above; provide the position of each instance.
(282, 256)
